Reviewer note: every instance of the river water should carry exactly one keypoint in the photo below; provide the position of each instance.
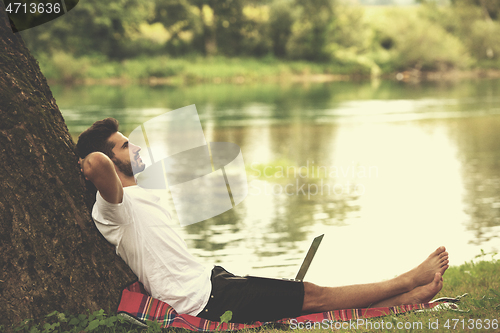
(388, 171)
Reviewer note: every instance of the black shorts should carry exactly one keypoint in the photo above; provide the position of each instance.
(251, 298)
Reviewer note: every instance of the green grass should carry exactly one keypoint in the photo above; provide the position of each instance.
(481, 307)
(64, 67)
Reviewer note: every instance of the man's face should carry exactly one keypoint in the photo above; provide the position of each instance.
(126, 159)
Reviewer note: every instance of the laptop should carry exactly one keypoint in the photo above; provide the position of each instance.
(305, 264)
(309, 257)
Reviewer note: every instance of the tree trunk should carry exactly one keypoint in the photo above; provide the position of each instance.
(52, 256)
(209, 40)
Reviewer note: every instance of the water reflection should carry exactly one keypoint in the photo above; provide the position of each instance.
(435, 147)
(479, 142)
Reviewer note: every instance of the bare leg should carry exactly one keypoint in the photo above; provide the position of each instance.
(394, 291)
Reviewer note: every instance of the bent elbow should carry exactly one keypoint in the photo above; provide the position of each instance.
(97, 163)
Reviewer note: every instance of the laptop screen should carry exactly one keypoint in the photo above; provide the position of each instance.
(309, 257)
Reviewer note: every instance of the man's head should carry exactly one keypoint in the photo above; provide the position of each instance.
(103, 136)
(95, 138)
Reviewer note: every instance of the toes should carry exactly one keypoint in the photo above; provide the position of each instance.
(443, 255)
(440, 251)
(444, 263)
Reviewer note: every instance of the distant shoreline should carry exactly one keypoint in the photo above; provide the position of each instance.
(164, 70)
(410, 76)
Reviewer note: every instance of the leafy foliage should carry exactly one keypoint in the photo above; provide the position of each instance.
(411, 41)
(225, 318)
(62, 322)
(353, 39)
(490, 8)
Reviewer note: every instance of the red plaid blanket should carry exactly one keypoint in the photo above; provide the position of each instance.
(138, 306)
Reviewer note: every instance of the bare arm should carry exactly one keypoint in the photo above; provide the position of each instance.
(100, 170)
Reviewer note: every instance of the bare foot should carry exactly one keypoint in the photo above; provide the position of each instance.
(424, 273)
(424, 294)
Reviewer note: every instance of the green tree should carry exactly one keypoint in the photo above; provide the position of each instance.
(184, 22)
(413, 42)
(216, 26)
(224, 25)
(281, 19)
(93, 26)
(471, 22)
(311, 30)
(229, 22)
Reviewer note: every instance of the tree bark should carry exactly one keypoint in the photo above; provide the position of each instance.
(52, 256)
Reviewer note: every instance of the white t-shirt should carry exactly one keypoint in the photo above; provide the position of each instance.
(138, 227)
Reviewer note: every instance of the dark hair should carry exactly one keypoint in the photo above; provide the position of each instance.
(95, 138)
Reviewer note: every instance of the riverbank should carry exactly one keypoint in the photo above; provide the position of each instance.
(305, 77)
(65, 69)
(480, 309)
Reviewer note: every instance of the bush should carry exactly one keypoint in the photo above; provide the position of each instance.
(351, 42)
(411, 41)
(481, 37)
(62, 66)
(484, 40)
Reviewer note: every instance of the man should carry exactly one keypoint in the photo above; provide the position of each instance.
(131, 218)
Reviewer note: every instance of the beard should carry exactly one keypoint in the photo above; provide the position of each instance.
(126, 167)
